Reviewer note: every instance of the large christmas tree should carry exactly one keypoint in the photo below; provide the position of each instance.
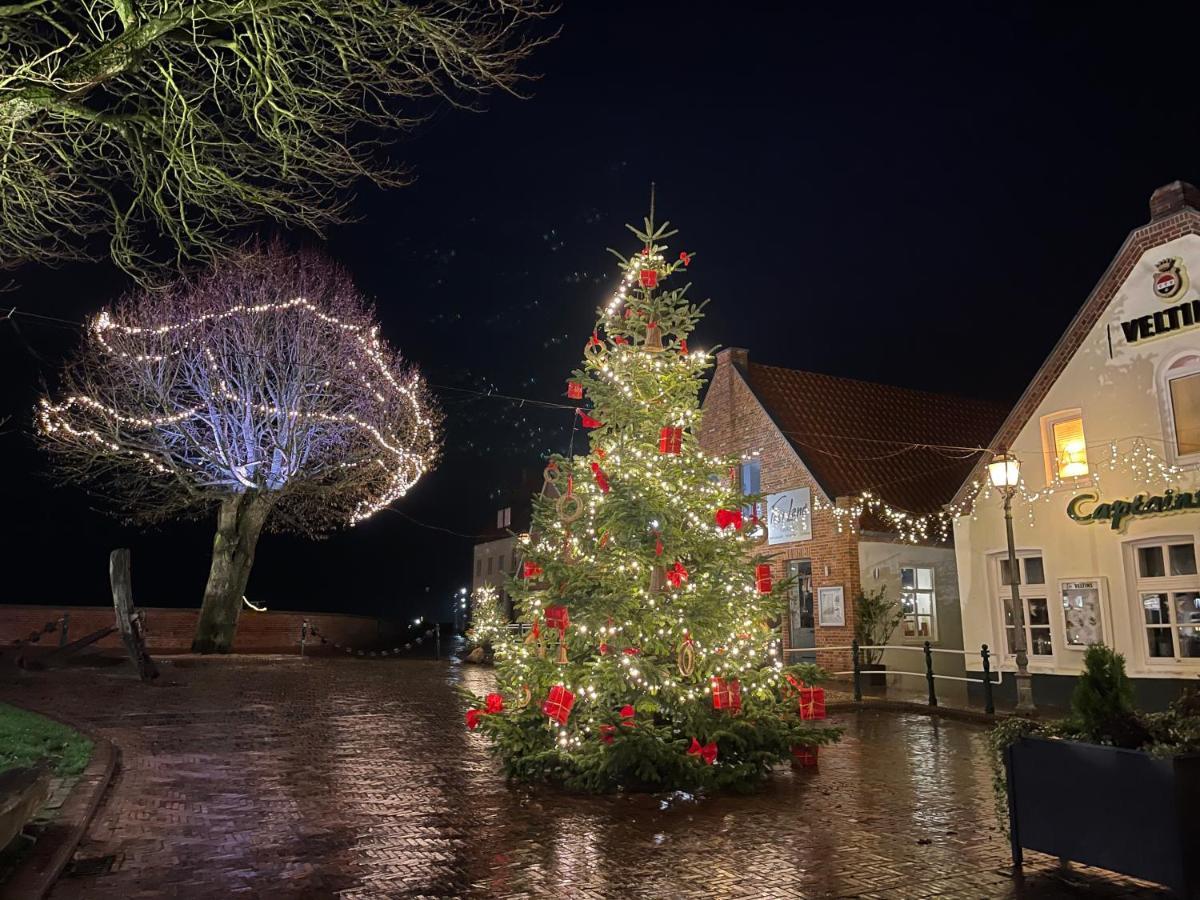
(652, 660)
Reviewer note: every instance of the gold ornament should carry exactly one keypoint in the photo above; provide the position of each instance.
(686, 659)
(653, 342)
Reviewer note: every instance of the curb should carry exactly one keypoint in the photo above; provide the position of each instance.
(905, 706)
(36, 875)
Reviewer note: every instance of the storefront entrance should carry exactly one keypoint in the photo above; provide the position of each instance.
(800, 609)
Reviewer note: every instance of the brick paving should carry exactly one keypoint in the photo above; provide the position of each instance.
(271, 777)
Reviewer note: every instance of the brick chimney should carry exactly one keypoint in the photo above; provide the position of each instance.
(739, 357)
(1171, 198)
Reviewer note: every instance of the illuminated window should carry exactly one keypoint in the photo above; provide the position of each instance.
(1065, 447)
(1031, 587)
(1168, 597)
(918, 603)
(1180, 386)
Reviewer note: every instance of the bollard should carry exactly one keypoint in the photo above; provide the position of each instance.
(989, 705)
(437, 641)
(929, 674)
(857, 672)
(303, 636)
(62, 632)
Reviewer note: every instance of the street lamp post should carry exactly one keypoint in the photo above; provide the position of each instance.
(1005, 473)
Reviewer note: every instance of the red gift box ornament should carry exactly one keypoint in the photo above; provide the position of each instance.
(670, 440)
(706, 752)
(762, 578)
(558, 703)
(648, 278)
(726, 694)
(531, 570)
(587, 421)
(727, 517)
(558, 618)
(677, 574)
(811, 699)
(574, 390)
(494, 703)
(805, 756)
(601, 478)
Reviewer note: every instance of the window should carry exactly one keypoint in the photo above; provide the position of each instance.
(489, 565)
(1179, 387)
(1031, 586)
(918, 603)
(1064, 446)
(478, 567)
(1168, 592)
(750, 473)
(504, 517)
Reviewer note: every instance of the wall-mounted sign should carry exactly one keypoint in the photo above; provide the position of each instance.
(1170, 281)
(789, 517)
(831, 606)
(1083, 622)
(1118, 511)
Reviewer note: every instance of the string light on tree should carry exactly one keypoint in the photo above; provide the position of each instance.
(637, 598)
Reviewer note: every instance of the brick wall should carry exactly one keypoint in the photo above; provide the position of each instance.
(171, 630)
(734, 424)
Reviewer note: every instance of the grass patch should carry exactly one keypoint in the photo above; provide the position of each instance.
(26, 737)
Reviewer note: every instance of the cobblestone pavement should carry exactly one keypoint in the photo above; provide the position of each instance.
(266, 777)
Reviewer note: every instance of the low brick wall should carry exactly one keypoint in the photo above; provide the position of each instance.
(171, 630)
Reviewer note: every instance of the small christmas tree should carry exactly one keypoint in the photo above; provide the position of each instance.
(652, 660)
(488, 622)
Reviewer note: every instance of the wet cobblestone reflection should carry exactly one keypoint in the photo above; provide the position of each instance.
(354, 778)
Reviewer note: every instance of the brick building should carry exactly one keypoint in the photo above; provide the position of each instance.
(813, 445)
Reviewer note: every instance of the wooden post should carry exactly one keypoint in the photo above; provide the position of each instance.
(929, 673)
(857, 670)
(129, 622)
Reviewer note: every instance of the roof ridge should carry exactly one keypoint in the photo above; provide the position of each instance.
(999, 404)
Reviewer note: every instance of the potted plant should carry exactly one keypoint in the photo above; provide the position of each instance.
(1107, 786)
(875, 618)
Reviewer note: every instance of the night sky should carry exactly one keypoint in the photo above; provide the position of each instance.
(923, 198)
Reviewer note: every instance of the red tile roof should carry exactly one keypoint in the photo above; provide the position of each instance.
(857, 436)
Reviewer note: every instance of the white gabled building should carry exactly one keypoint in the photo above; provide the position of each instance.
(1108, 435)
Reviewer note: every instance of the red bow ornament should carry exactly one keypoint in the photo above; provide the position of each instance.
(587, 421)
(727, 517)
(601, 478)
(685, 258)
(706, 752)
(677, 574)
(627, 714)
(531, 570)
(607, 732)
(473, 718)
(494, 703)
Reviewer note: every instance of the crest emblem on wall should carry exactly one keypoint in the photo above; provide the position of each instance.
(1170, 278)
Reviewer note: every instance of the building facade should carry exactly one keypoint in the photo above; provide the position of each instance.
(1108, 437)
(819, 447)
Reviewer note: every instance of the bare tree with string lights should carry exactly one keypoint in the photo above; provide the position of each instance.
(162, 127)
(262, 391)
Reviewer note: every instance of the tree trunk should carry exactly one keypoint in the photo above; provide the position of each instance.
(239, 522)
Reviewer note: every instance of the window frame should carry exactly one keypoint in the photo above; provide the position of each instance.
(1166, 584)
(1027, 592)
(1050, 450)
(1165, 376)
(917, 637)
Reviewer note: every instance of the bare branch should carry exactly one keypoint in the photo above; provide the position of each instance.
(191, 119)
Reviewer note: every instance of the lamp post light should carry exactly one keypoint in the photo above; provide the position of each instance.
(1005, 474)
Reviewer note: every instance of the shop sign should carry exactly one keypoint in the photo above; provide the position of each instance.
(789, 516)
(1118, 511)
(1170, 281)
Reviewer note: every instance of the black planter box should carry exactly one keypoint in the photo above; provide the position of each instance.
(1122, 810)
(874, 674)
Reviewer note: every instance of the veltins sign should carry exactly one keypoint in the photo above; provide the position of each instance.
(1116, 512)
(1170, 283)
(789, 517)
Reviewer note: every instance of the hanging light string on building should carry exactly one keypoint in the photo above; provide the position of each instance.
(1140, 460)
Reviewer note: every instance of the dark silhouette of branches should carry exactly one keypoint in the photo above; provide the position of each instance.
(176, 123)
